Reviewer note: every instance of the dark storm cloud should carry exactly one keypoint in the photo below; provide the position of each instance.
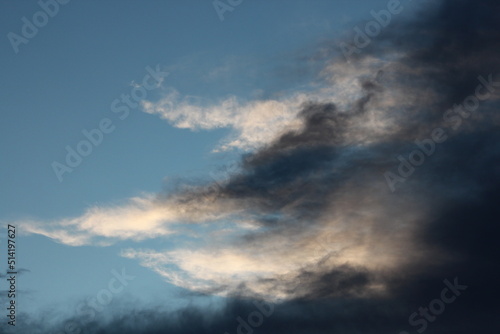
(290, 183)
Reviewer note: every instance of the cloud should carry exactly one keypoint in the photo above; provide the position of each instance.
(254, 123)
(326, 176)
(308, 221)
(138, 219)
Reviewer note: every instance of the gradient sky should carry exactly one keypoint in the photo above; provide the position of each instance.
(264, 165)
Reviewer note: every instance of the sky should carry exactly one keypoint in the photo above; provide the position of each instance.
(237, 166)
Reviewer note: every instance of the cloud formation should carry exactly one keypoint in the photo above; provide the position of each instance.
(309, 221)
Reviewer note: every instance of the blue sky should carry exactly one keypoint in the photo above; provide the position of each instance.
(229, 88)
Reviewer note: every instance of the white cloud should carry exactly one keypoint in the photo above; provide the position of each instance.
(358, 231)
(254, 122)
(257, 122)
(140, 218)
